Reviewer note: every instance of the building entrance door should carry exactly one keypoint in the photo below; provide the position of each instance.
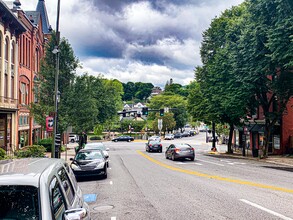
(3, 131)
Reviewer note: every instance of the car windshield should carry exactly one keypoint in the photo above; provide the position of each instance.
(154, 142)
(19, 202)
(183, 146)
(88, 155)
(95, 146)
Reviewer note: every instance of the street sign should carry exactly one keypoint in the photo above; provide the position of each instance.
(160, 124)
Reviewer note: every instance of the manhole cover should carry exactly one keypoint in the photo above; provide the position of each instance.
(103, 207)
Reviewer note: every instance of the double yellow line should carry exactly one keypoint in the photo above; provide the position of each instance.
(195, 173)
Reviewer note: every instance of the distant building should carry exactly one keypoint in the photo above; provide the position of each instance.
(136, 110)
(156, 91)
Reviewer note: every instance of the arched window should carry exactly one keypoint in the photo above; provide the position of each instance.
(6, 52)
(37, 60)
(1, 46)
(12, 69)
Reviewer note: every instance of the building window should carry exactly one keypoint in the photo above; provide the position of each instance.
(6, 68)
(23, 93)
(12, 69)
(20, 120)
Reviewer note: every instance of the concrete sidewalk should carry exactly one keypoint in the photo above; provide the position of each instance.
(69, 153)
(283, 160)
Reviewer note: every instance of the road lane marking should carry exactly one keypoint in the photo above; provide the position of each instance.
(266, 210)
(113, 218)
(189, 163)
(211, 162)
(111, 182)
(195, 173)
(232, 163)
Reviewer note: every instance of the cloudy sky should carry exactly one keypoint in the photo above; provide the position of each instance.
(136, 40)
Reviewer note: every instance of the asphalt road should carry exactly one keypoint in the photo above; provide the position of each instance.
(143, 185)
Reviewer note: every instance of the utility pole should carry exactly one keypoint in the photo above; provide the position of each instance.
(54, 151)
(214, 136)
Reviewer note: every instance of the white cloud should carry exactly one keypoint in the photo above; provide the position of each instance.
(142, 43)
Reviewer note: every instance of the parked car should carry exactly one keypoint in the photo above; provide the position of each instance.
(186, 134)
(154, 146)
(89, 163)
(154, 138)
(40, 188)
(169, 137)
(178, 135)
(73, 138)
(123, 138)
(180, 151)
(99, 146)
(192, 132)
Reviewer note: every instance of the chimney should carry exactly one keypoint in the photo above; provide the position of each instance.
(31, 18)
(17, 3)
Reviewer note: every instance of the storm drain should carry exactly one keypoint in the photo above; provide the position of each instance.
(103, 207)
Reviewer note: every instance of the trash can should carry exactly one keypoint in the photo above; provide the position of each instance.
(255, 152)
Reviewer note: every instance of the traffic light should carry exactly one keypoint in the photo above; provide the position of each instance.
(57, 145)
(161, 112)
(145, 111)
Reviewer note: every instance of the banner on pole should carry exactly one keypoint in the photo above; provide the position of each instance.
(49, 124)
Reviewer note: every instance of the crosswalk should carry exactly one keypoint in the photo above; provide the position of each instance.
(201, 162)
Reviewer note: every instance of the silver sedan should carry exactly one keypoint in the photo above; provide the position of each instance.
(179, 151)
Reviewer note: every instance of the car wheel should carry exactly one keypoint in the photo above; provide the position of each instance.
(72, 141)
(105, 174)
(166, 156)
(107, 164)
(128, 140)
(173, 157)
(192, 158)
(115, 140)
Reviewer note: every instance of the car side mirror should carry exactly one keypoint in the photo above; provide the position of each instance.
(75, 214)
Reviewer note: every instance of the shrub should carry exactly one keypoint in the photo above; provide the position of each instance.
(2, 154)
(47, 143)
(93, 138)
(31, 151)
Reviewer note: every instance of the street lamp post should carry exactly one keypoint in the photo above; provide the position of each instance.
(54, 151)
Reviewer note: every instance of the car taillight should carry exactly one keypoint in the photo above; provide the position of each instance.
(177, 150)
(192, 149)
(160, 145)
(150, 145)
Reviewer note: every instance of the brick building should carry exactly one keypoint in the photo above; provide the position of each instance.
(31, 51)
(10, 30)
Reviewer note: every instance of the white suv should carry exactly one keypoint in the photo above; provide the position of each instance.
(73, 138)
(40, 188)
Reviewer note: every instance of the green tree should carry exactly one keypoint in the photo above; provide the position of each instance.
(84, 113)
(218, 95)
(46, 83)
(139, 91)
(109, 99)
(265, 59)
(169, 122)
(177, 102)
(176, 89)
